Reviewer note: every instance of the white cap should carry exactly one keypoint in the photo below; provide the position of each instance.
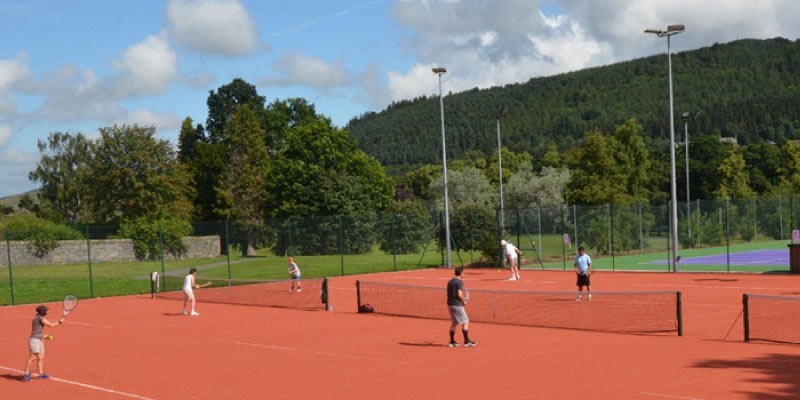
(503, 242)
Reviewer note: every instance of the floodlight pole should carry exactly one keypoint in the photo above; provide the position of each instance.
(448, 258)
(500, 166)
(671, 30)
(686, 117)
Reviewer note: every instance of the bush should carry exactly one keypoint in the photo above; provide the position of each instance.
(44, 235)
(145, 235)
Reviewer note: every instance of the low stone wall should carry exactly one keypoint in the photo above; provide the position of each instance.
(110, 250)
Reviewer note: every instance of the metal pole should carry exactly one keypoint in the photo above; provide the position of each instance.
(448, 257)
(688, 199)
(500, 167)
(673, 186)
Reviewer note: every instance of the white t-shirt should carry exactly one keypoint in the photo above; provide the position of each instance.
(511, 251)
(187, 283)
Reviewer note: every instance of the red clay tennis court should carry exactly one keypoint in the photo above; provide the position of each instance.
(134, 347)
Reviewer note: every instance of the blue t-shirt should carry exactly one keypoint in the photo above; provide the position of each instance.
(583, 262)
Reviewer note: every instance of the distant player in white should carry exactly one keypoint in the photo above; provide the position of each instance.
(583, 268)
(188, 286)
(512, 255)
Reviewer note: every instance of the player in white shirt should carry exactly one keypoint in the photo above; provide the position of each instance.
(583, 268)
(188, 290)
(512, 255)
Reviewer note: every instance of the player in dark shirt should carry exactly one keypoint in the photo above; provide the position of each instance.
(455, 304)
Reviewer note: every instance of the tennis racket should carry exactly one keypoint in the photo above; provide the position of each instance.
(69, 304)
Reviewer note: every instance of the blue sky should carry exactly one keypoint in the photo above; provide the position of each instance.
(84, 64)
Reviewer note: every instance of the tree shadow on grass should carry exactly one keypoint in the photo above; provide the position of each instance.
(780, 370)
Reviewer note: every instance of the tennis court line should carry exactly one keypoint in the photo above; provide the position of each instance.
(86, 385)
(667, 396)
(282, 348)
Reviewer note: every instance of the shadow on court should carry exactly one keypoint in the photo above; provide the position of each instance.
(780, 370)
(12, 377)
(423, 344)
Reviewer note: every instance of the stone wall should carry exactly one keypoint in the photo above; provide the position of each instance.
(110, 250)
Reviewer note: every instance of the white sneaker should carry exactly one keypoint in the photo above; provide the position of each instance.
(512, 278)
(579, 298)
(183, 312)
(299, 290)
(590, 298)
(194, 314)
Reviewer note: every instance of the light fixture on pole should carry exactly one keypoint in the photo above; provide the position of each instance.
(448, 259)
(686, 117)
(671, 30)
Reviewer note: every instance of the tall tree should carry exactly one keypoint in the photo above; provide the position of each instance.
(596, 176)
(241, 191)
(633, 159)
(62, 175)
(222, 104)
(188, 140)
(134, 175)
(735, 181)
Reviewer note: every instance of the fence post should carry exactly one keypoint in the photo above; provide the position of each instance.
(228, 246)
(10, 269)
(393, 237)
(89, 255)
(500, 230)
(341, 244)
(161, 249)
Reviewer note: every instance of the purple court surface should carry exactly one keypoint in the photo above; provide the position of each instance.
(755, 257)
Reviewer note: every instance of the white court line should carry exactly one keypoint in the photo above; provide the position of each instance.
(667, 396)
(87, 386)
(266, 346)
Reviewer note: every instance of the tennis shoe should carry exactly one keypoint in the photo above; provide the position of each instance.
(299, 290)
(183, 312)
(26, 378)
(590, 298)
(470, 344)
(512, 278)
(194, 314)
(579, 298)
(44, 376)
(453, 344)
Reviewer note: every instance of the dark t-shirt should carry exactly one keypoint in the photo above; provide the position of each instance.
(453, 286)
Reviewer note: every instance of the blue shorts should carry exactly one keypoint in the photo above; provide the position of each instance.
(296, 277)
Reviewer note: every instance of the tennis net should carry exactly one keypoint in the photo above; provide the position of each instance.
(616, 312)
(771, 318)
(252, 292)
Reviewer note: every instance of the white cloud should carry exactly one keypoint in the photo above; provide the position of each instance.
(161, 121)
(221, 27)
(299, 69)
(16, 165)
(148, 66)
(5, 135)
(12, 71)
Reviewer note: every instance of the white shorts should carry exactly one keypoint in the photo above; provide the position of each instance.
(189, 294)
(36, 345)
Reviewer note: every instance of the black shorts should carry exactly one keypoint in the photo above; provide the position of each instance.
(583, 280)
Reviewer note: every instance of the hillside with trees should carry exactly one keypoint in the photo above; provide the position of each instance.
(747, 89)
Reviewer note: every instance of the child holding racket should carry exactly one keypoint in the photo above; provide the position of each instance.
(455, 304)
(189, 285)
(294, 272)
(36, 342)
(583, 268)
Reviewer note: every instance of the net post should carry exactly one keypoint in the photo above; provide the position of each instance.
(358, 294)
(325, 294)
(746, 315)
(680, 313)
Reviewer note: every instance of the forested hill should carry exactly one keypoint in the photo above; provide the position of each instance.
(748, 89)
